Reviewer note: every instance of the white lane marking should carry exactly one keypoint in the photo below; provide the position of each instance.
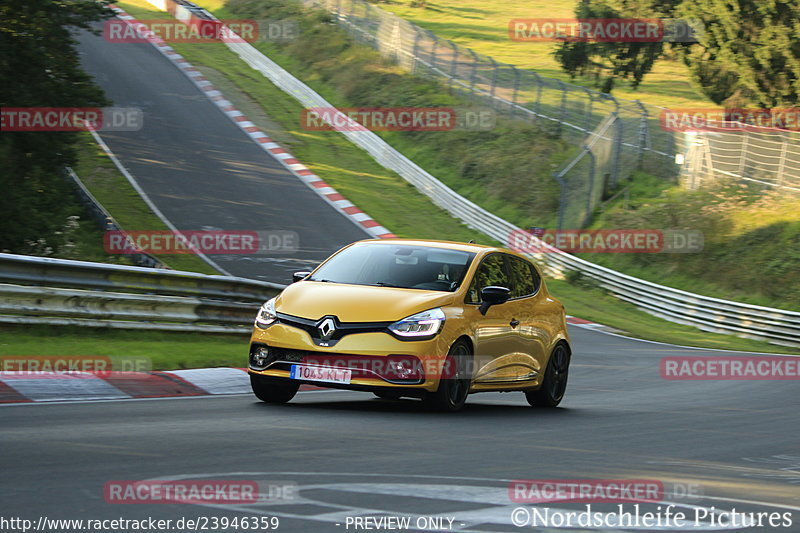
(497, 513)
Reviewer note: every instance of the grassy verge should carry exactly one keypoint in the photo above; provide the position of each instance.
(751, 247)
(165, 350)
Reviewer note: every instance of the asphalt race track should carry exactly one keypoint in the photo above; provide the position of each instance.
(735, 444)
(202, 171)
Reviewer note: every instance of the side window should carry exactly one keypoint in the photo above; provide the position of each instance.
(524, 277)
(490, 272)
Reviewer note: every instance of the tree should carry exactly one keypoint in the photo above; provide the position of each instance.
(608, 61)
(749, 53)
(40, 67)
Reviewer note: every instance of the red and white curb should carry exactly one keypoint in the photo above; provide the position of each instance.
(314, 182)
(40, 387)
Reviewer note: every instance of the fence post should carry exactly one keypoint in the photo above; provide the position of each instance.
(743, 152)
(563, 110)
(588, 117)
(433, 51)
(593, 163)
(494, 82)
(537, 106)
(454, 63)
(619, 132)
(415, 53)
(516, 90)
(644, 134)
(562, 199)
(782, 162)
(474, 72)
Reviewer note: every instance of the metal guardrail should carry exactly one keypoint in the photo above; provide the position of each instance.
(37, 290)
(106, 222)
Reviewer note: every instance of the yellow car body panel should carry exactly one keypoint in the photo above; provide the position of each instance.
(506, 356)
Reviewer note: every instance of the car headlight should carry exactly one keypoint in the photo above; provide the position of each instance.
(266, 315)
(424, 324)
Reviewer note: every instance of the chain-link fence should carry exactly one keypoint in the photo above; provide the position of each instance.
(633, 136)
(585, 180)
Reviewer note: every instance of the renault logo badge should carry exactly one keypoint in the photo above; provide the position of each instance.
(326, 328)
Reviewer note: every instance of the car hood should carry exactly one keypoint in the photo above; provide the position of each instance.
(356, 303)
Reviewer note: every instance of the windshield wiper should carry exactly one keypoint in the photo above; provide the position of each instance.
(385, 284)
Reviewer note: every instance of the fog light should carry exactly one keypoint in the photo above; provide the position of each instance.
(405, 368)
(259, 358)
(400, 368)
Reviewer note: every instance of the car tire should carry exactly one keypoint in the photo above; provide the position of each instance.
(387, 395)
(452, 392)
(272, 391)
(554, 384)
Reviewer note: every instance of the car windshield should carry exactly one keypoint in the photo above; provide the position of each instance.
(397, 265)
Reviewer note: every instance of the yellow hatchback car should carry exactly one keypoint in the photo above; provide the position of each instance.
(434, 320)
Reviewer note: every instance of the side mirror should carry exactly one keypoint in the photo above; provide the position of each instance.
(299, 276)
(493, 295)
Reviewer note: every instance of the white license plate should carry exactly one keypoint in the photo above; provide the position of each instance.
(320, 373)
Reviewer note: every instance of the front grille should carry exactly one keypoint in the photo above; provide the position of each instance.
(341, 328)
(388, 367)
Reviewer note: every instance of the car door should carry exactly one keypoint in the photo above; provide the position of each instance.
(525, 304)
(495, 337)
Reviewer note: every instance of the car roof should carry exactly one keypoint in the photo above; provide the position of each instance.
(449, 245)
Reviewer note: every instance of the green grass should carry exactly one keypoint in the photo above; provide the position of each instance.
(165, 350)
(99, 174)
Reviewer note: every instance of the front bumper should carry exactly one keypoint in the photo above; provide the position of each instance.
(369, 356)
